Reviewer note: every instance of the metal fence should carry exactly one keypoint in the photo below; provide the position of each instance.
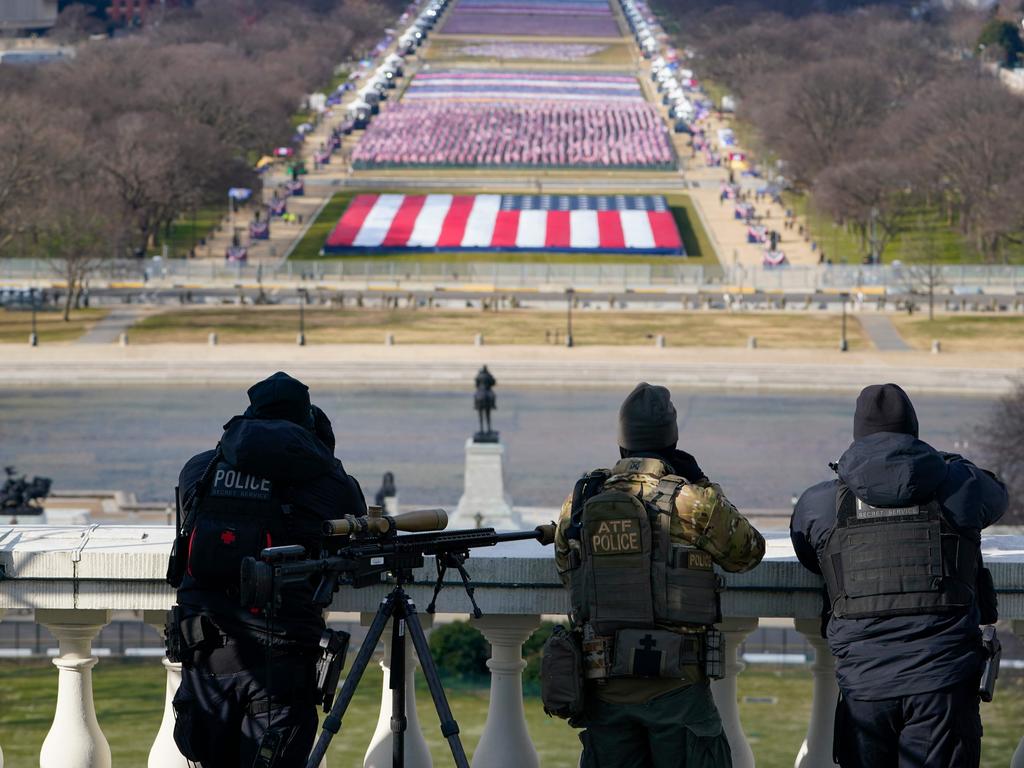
(184, 272)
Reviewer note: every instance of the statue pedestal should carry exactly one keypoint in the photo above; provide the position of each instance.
(483, 491)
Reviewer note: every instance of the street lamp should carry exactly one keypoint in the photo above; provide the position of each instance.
(569, 293)
(843, 344)
(33, 337)
(301, 339)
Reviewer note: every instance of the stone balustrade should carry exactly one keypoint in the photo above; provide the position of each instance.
(74, 577)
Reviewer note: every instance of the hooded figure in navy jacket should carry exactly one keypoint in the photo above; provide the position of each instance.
(909, 683)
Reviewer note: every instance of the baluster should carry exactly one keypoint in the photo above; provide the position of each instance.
(1018, 756)
(2, 612)
(505, 741)
(417, 753)
(75, 739)
(816, 750)
(164, 752)
(724, 690)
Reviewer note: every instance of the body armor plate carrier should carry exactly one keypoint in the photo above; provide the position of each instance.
(897, 561)
(633, 584)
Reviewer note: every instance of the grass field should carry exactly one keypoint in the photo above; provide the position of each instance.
(774, 708)
(16, 324)
(186, 232)
(456, 326)
(963, 333)
(695, 241)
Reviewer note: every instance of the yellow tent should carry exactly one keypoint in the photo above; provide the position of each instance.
(264, 161)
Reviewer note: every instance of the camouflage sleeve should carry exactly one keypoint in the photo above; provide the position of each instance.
(707, 519)
(561, 543)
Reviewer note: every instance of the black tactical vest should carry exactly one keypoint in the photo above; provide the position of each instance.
(236, 516)
(896, 561)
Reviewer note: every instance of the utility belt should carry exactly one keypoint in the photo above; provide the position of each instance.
(571, 658)
(188, 635)
(651, 653)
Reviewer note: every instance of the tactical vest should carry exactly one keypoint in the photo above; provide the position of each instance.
(896, 561)
(237, 516)
(630, 575)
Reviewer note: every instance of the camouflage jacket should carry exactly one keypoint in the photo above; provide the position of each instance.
(703, 517)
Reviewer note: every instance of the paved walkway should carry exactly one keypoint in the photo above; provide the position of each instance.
(883, 333)
(118, 321)
(516, 365)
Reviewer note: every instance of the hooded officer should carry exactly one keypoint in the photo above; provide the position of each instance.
(248, 678)
(636, 545)
(897, 538)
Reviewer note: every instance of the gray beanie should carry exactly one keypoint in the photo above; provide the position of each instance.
(647, 419)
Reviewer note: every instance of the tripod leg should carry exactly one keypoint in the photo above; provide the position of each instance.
(449, 728)
(332, 723)
(399, 722)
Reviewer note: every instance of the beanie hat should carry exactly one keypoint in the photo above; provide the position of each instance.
(281, 397)
(647, 419)
(884, 408)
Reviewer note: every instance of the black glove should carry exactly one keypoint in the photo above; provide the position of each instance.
(684, 464)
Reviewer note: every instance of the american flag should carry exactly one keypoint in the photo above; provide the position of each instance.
(613, 223)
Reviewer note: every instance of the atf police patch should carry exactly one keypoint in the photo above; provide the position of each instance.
(615, 537)
(231, 483)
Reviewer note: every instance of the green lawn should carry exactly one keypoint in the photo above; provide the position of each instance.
(524, 326)
(186, 233)
(695, 240)
(774, 707)
(16, 324)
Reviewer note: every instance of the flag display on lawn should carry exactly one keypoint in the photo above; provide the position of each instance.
(612, 223)
(562, 87)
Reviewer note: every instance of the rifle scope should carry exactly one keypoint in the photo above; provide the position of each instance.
(417, 521)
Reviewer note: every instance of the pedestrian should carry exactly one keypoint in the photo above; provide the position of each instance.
(630, 541)
(896, 536)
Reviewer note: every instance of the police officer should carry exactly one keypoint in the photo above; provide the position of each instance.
(248, 680)
(897, 538)
(636, 545)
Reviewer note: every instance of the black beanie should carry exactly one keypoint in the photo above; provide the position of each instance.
(281, 397)
(884, 408)
(647, 419)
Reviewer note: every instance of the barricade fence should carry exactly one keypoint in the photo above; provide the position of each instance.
(946, 279)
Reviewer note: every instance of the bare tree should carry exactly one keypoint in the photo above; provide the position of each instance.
(1004, 450)
(923, 270)
(75, 232)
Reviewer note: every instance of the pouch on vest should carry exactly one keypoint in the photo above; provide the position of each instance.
(896, 561)
(655, 653)
(561, 674)
(612, 589)
(219, 544)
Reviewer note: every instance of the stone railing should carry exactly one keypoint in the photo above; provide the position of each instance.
(73, 578)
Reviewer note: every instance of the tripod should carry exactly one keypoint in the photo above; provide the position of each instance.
(399, 607)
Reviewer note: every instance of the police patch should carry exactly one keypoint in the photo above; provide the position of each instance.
(615, 537)
(699, 561)
(231, 483)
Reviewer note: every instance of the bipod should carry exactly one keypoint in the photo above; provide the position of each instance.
(399, 607)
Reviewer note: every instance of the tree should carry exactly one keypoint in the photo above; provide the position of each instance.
(1000, 41)
(1004, 450)
(873, 195)
(923, 271)
(75, 231)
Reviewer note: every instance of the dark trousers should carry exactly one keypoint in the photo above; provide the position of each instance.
(927, 730)
(681, 729)
(231, 696)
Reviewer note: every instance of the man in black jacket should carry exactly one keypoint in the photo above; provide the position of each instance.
(897, 538)
(248, 678)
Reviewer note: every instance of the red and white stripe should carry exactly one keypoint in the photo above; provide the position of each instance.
(477, 221)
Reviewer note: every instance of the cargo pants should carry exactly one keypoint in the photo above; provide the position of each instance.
(680, 729)
(230, 697)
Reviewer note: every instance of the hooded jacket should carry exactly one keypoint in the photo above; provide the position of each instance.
(312, 481)
(879, 658)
